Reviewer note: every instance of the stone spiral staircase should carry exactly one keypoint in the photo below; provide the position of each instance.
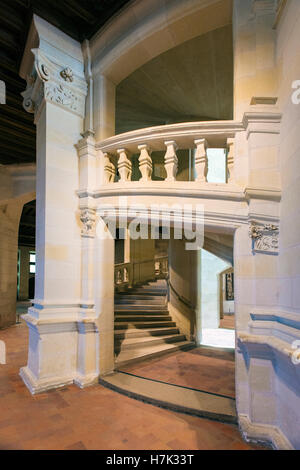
(143, 325)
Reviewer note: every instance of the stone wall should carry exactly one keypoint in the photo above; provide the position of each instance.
(288, 62)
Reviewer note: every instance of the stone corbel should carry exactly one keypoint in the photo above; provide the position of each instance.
(88, 219)
(54, 83)
(265, 238)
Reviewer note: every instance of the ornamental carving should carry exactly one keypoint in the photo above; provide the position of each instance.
(63, 96)
(265, 238)
(88, 218)
(43, 72)
(67, 74)
(50, 82)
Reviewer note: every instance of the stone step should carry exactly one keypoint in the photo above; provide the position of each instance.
(135, 343)
(144, 324)
(158, 282)
(142, 294)
(173, 397)
(145, 289)
(141, 318)
(145, 333)
(146, 300)
(130, 311)
(140, 308)
(142, 353)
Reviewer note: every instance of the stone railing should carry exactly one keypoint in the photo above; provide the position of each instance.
(161, 267)
(199, 136)
(123, 275)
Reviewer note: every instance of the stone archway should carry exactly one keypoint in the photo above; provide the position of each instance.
(18, 183)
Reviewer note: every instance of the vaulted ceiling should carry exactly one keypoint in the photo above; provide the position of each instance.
(79, 19)
(191, 82)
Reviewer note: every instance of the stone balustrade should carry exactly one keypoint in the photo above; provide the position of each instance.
(123, 275)
(161, 267)
(117, 151)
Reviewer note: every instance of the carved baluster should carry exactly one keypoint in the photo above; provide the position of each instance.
(124, 166)
(201, 162)
(109, 170)
(145, 162)
(156, 264)
(171, 160)
(230, 160)
(119, 277)
(126, 277)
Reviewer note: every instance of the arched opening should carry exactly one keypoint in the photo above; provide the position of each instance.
(26, 258)
(170, 310)
(190, 82)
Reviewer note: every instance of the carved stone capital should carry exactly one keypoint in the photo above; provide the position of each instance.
(88, 218)
(265, 238)
(49, 82)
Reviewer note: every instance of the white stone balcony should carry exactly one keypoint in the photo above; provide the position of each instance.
(122, 166)
(116, 151)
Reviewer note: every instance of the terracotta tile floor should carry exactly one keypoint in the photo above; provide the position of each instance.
(203, 368)
(94, 418)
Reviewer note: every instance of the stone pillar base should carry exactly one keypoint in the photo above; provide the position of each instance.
(84, 381)
(35, 385)
(263, 433)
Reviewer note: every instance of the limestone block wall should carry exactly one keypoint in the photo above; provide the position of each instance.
(254, 52)
(24, 273)
(211, 266)
(288, 61)
(142, 254)
(184, 268)
(289, 70)
(9, 224)
(17, 187)
(266, 282)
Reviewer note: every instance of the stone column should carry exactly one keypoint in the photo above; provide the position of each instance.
(56, 91)
(104, 244)
(255, 74)
(88, 333)
(104, 296)
(256, 277)
(104, 107)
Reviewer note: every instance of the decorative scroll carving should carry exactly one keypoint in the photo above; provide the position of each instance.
(67, 74)
(63, 96)
(265, 238)
(28, 103)
(201, 162)
(88, 218)
(171, 160)
(43, 72)
(48, 82)
(145, 162)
